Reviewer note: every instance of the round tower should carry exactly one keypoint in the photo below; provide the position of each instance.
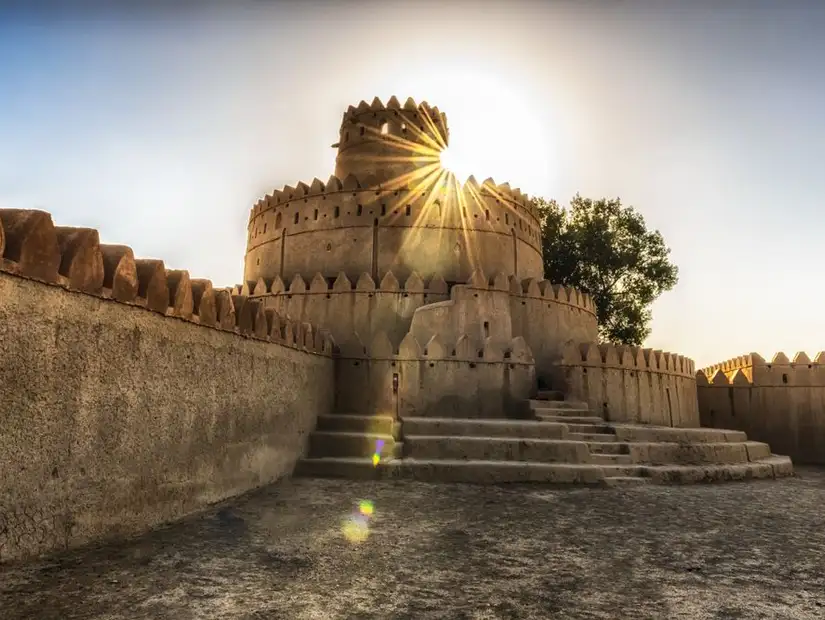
(388, 144)
(392, 208)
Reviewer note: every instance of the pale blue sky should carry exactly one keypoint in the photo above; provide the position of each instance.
(161, 129)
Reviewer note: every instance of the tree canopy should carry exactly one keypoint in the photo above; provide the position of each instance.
(604, 248)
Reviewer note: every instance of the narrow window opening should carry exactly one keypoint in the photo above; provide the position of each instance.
(486, 329)
(408, 210)
(336, 212)
(403, 127)
(316, 214)
(278, 221)
(362, 131)
(383, 209)
(506, 219)
(487, 214)
(264, 226)
(359, 210)
(784, 378)
(296, 218)
(385, 129)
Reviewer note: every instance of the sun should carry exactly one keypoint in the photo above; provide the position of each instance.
(453, 162)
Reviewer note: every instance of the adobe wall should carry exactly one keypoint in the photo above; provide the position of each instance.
(131, 395)
(547, 316)
(428, 228)
(379, 144)
(781, 402)
(629, 384)
(465, 379)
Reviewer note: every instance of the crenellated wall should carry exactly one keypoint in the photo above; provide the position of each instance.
(432, 227)
(468, 378)
(131, 394)
(381, 143)
(781, 402)
(548, 316)
(629, 384)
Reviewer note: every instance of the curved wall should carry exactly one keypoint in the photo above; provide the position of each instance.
(437, 229)
(380, 144)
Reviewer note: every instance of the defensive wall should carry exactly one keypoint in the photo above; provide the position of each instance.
(381, 143)
(781, 401)
(548, 317)
(131, 395)
(630, 384)
(432, 227)
(467, 378)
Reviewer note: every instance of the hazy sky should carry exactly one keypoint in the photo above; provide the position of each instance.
(161, 129)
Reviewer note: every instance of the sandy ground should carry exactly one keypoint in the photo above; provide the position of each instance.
(737, 550)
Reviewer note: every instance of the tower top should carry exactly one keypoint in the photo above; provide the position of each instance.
(379, 143)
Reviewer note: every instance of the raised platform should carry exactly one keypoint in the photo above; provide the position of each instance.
(565, 444)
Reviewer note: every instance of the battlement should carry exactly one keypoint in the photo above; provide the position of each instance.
(527, 288)
(627, 357)
(630, 384)
(73, 258)
(464, 349)
(753, 369)
(412, 121)
(436, 189)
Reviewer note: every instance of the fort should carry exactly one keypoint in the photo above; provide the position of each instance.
(388, 309)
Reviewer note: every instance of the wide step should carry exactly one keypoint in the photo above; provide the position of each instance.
(495, 449)
(370, 424)
(528, 429)
(570, 419)
(442, 470)
(346, 444)
(599, 437)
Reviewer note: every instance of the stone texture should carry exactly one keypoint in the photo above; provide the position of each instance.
(746, 551)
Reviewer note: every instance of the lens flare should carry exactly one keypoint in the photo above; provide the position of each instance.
(356, 528)
(376, 457)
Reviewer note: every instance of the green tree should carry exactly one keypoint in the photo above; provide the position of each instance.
(604, 248)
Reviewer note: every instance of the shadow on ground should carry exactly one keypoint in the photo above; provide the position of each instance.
(738, 550)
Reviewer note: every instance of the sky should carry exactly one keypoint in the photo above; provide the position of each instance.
(161, 128)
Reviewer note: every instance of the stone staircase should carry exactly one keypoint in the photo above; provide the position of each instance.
(563, 443)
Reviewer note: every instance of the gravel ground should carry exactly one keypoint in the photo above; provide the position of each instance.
(737, 550)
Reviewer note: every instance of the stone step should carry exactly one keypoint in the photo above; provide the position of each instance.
(644, 433)
(570, 419)
(772, 467)
(469, 471)
(563, 413)
(623, 470)
(610, 459)
(349, 444)
(608, 447)
(484, 428)
(452, 447)
(492, 472)
(597, 437)
(590, 428)
(625, 481)
(344, 422)
(553, 395)
(559, 404)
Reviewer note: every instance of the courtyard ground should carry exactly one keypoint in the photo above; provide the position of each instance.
(737, 550)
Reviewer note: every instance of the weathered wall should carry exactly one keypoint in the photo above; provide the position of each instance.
(548, 316)
(432, 228)
(380, 144)
(393, 211)
(131, 395)
(629, 384)
(781, 402)
(468, 379)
